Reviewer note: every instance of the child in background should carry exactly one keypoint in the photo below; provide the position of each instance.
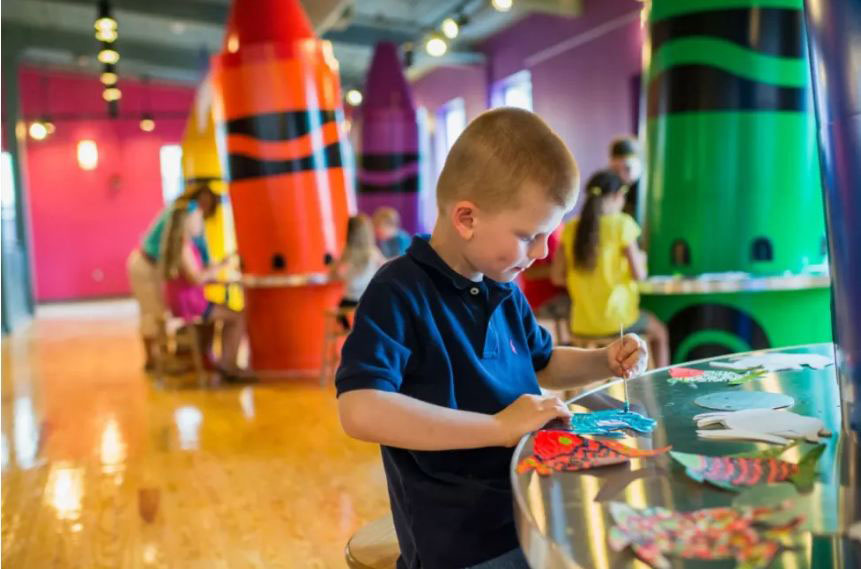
(625, 161)
(143, 269)
(547, 300)
(392, 240)
(599, 261)
(358, 263)
(185, 275)
(445, 360)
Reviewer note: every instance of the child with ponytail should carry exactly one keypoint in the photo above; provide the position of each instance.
(599, 262)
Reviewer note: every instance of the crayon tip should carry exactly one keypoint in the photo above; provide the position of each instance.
(265, 21)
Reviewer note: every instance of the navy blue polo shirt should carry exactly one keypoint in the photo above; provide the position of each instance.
(425, 331)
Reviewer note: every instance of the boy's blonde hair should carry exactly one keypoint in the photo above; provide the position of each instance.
(500, 151)
(387, 216)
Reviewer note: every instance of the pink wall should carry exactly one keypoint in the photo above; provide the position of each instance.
(583, 92)
(84, 223)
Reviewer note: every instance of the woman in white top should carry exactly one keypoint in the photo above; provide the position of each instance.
(358, 263)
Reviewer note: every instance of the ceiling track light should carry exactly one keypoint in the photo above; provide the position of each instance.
(147, 123)
(106, 35)
(354, 97)
(502, 5)
(108, 76)
(112, 94)
(105, 19)
(436, 46)
(450, 28)
(108, 54)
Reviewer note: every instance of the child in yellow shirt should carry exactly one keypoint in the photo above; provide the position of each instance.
(599, 262)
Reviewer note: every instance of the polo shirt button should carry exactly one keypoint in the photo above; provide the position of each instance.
(474, 291)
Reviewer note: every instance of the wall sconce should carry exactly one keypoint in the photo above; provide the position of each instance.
(38, 130)
(88, 154)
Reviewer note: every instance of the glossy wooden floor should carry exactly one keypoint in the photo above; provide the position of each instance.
(232, 477)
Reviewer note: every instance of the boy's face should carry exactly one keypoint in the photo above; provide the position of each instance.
(504, 243)
(384, 230)
(207, 202)
(629, 168)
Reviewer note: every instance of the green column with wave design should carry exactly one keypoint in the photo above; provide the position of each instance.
(733, 172)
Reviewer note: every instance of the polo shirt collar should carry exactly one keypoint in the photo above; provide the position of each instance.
(421, 251)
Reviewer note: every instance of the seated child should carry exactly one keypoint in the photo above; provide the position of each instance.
(547, 300)
(185, 277)
(392, 240)
(599, 261)
(358, 263)
(445, 360)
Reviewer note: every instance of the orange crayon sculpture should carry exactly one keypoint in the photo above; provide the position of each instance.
(280, 132)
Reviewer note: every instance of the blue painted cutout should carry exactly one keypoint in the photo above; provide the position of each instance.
(609, 423)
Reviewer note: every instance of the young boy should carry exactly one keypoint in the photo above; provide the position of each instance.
(391, 239)
(445, 360)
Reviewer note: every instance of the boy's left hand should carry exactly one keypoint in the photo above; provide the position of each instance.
(628, 356)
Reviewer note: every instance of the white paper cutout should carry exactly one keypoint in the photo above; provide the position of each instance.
(767, 425)
(775, 362)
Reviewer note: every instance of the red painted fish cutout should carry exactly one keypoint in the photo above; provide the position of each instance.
(558, 451)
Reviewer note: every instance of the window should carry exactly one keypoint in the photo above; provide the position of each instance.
(513, 91)
(451, 117)
(7, 186)
(7, 200)
(450, 122)
(170, 159)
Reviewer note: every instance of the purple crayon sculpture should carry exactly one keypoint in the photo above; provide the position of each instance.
(388, 170)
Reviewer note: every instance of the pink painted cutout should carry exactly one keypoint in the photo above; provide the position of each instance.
(685, 372)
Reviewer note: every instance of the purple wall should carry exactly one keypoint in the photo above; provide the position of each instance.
(446, 83)
(584, 92)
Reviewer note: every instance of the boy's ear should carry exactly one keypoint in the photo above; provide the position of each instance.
(463, 217)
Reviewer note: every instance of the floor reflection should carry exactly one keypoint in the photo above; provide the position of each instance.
(102, 468)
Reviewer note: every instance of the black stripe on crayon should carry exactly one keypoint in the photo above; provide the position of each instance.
(242, 167)
(771, 31)
(687, 88)
(405, 186)
(279, 126)
(713, 316)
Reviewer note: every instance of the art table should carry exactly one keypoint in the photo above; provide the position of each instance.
(564, 519)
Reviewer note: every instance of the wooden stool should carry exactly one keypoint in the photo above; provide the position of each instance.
(333, 331)
(562, 331)
(175, 336)
(554, 314)
(374, 546)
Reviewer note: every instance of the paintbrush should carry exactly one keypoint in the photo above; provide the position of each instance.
(624, 379)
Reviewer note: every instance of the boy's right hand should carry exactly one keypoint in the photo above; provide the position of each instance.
(528, 413)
